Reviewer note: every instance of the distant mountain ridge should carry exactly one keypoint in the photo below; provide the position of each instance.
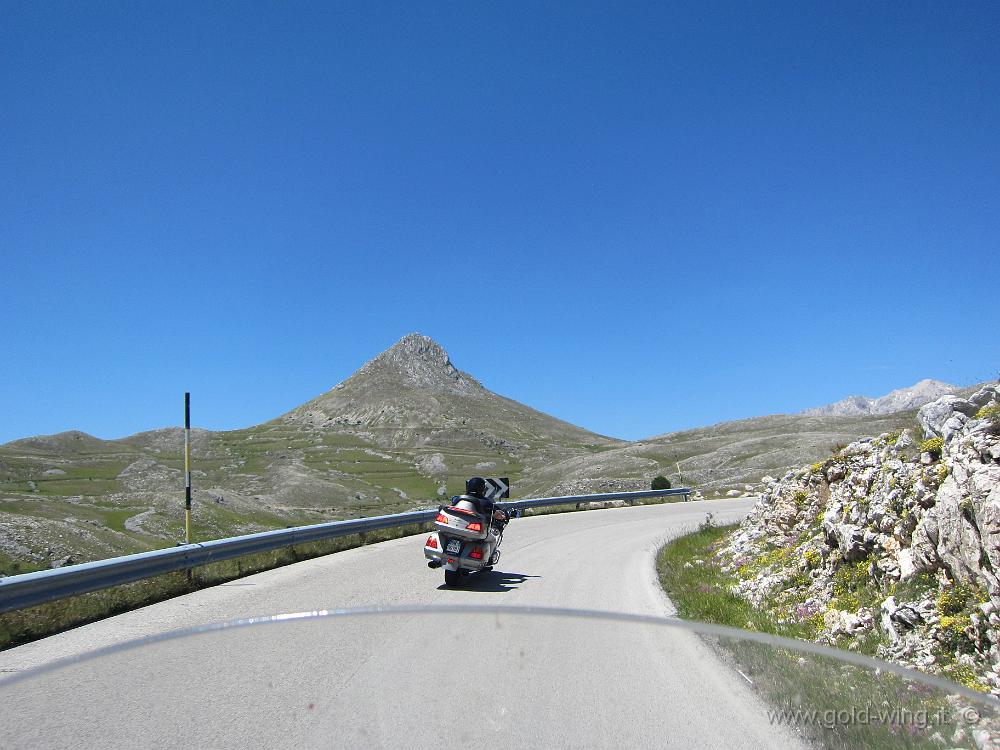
(406, 429)
(899, 400)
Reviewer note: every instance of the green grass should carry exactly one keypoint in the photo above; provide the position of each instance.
(701, 592)
(85, 487)
(786, 679)
(915, 588)
(826, 687)
(213, 521)
(83, 530)
(115, 518)
(92, 478)
(11, 567)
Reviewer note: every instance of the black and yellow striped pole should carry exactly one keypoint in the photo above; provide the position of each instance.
(187, 468)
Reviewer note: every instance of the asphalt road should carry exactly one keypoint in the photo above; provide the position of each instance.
(411, 679)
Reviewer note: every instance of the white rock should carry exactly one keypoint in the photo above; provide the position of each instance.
(985, 395)
(983, 739)
(933, 416)
(953, 425)
(836, 472)
(849, 538)
(856, 448)
(906, 567)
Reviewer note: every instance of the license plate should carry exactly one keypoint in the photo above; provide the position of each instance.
(454, 546)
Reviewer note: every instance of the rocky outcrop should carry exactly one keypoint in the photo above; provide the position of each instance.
(947, 415)
(432, 464)
(419, 362)
(894, 540)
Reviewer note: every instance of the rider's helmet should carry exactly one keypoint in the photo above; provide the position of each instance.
(476, 487)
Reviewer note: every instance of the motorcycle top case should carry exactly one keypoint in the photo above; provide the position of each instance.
(456, 520)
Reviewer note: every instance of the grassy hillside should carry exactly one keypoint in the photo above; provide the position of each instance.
(76, 496)
(84, 498)
(401, 433)
(716, 459)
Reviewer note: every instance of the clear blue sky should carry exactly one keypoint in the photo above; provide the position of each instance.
(635, 217)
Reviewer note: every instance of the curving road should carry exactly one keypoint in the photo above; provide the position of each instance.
(409, 679)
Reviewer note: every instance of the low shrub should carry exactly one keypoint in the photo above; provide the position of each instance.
(990, 411)
(934, 446)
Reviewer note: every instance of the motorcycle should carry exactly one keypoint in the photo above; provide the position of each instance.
(466, 540)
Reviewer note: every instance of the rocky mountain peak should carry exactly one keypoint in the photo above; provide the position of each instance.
(417, 361)
(902, 399)
(416, 347)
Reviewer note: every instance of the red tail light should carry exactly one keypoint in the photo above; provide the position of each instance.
(475, 526)
(477, 553)
(441, 518)
(432, 542)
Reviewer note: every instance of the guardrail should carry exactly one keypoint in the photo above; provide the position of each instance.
(29, 589)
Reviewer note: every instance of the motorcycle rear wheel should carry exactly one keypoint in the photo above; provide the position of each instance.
(451, 577)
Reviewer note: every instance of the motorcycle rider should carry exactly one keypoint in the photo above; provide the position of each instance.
(476, 489)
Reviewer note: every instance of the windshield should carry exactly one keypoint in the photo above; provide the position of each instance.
(512, 676)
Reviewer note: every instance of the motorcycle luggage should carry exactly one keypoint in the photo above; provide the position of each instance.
(461, 522)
